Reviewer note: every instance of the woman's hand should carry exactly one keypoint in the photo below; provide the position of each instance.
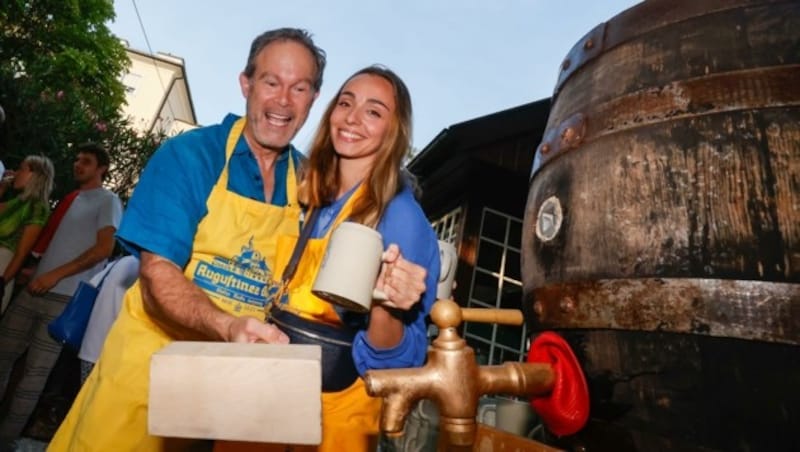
(401, 280)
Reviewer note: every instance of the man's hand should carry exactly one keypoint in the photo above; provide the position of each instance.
(43, 283)
(401, 280)
(250, 329)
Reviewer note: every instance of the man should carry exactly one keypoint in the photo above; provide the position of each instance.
(204, 220)
(79, 248)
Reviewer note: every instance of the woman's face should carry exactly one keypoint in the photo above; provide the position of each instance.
(361, 118)
(22, 176)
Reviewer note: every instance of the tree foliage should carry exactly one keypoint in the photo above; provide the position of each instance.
(60, 86)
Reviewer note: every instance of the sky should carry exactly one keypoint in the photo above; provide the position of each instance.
(461, 59)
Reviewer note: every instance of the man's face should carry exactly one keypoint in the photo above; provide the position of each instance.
(279, 94)
(86, 169)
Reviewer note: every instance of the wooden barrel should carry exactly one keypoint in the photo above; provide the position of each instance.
(662, 229)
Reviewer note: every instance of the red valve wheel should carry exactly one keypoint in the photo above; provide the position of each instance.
(566, 409)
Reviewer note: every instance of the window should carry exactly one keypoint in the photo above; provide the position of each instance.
(496, 283)
(448, 226)
(131, 81)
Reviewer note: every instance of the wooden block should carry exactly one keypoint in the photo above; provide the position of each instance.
(245, 392)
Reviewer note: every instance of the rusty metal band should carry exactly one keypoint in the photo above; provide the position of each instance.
(753, 310)
(770, 87)
(638, 20)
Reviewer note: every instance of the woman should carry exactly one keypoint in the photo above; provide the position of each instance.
(354, 174)
(22, 218)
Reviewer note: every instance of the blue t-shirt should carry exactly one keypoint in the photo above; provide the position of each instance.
(404, 224)
(170, 199)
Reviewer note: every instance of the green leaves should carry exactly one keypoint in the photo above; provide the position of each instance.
(60, 86)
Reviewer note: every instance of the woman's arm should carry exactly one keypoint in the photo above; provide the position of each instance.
(398, 337)
(403, 282)
(30, 233)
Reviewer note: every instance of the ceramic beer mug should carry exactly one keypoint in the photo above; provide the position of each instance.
(350, 267)
(510, 415)
(448, 258)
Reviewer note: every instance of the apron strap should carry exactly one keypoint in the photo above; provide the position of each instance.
(230, 145)
(308, 227)
(297, 253)
(291, 181)
(349, 319)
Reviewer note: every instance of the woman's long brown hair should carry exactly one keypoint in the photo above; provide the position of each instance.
(320, 182)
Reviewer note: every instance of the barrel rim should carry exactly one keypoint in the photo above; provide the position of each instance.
(633, 22)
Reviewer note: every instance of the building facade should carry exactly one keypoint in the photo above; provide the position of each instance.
(157, 93)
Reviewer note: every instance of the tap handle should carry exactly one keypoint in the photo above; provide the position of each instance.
(448, 314)
(501, 316)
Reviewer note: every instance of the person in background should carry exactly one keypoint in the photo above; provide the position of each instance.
(116, 279)
(210, 200)
(22, 217)
(79, 249)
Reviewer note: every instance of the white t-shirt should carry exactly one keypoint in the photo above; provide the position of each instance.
(91, 211)
(121, 275)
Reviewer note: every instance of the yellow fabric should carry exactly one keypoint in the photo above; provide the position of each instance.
(233, 242)
(301, 301)
(350, 418)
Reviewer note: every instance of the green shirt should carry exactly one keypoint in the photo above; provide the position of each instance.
(16, 216)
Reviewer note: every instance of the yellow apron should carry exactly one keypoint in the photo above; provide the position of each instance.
(232, 257)
(350, 418)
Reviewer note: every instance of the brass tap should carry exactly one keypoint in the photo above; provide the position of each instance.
(452, 379)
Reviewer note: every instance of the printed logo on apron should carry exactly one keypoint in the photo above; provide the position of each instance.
(244, 279)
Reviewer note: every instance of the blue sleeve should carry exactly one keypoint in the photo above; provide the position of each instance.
(405, 224)
(170, 198)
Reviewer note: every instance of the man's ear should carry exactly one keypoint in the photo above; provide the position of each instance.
(244, 83)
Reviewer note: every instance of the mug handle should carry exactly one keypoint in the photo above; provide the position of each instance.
(483, 410)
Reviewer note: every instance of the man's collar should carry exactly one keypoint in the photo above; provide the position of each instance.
(243, 148)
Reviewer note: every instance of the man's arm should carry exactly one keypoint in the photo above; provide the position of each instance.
(102, 248)
(185, 312)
